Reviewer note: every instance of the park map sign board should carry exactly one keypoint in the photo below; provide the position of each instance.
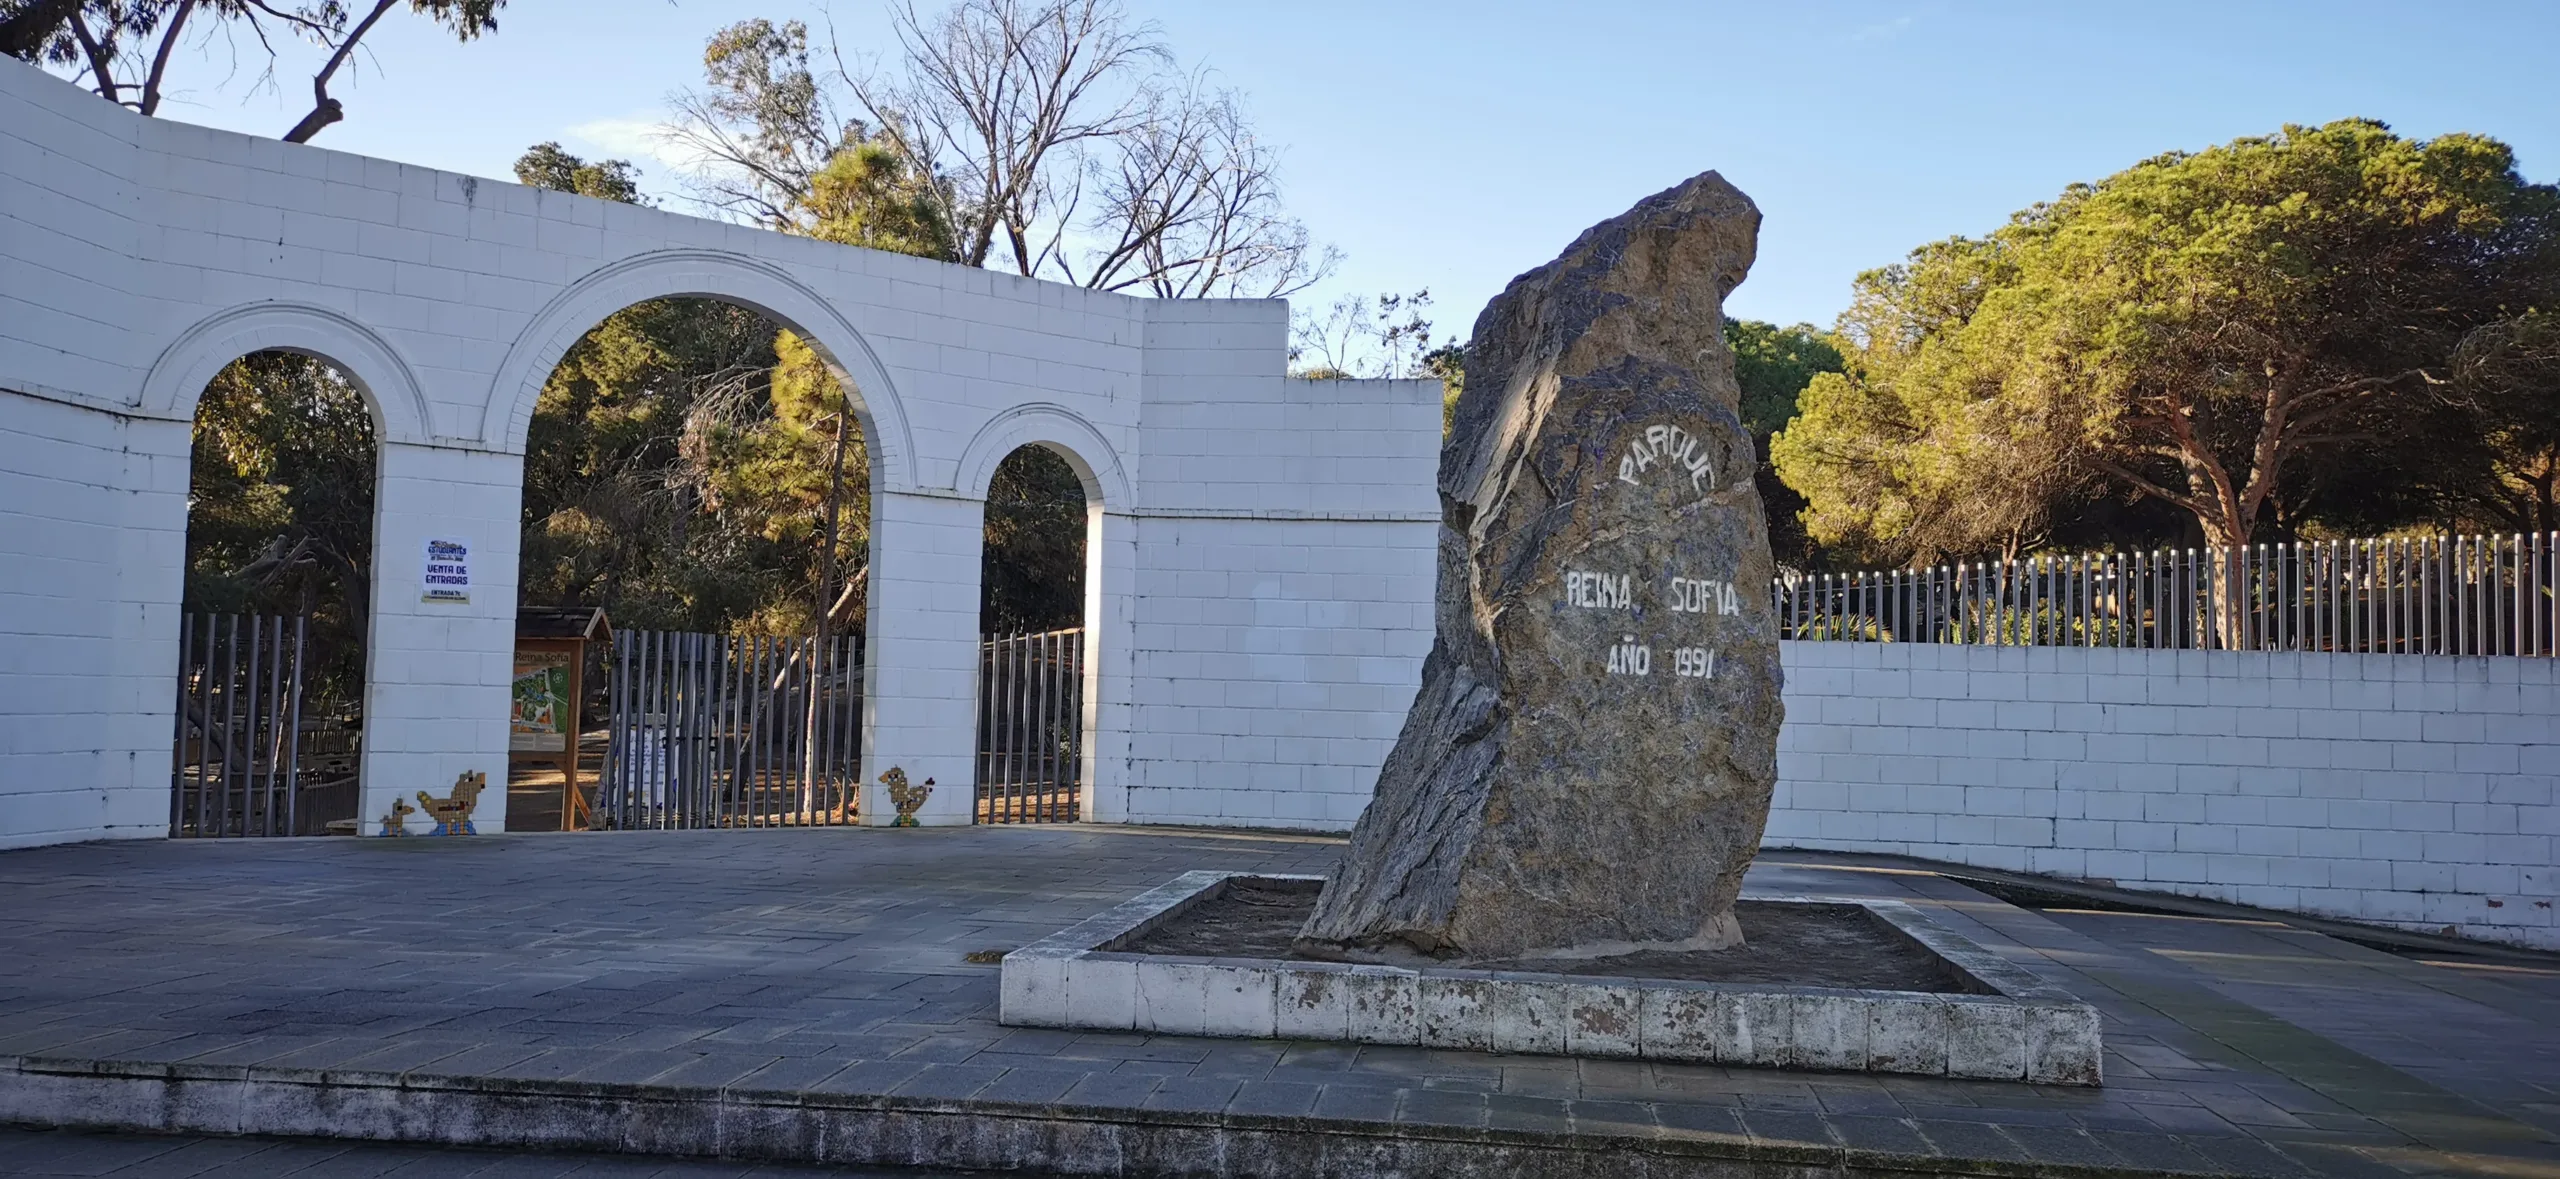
(543, 705)
(553, 645)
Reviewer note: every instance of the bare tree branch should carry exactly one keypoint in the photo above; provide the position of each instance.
(324, 109)
(160, 60)
(142, 36)
(101, 67)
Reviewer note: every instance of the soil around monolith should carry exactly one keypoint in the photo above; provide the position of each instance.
(1792, 944)
(1590, 758)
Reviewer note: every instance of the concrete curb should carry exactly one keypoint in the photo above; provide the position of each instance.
(883, 1130)
(2015, 1027)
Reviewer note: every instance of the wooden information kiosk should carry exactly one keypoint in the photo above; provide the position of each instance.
(553, 647)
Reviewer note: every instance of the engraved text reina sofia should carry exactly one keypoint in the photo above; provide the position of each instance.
(1590, 590)
(1676, 451)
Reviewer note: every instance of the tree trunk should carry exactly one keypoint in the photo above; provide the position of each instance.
(818, 662)
(2226, 545)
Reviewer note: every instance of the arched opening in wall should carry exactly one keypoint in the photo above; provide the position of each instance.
(277, 599)
(1031, 616)
(695, 472)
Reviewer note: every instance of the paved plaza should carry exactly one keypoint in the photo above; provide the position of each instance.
(837, 966)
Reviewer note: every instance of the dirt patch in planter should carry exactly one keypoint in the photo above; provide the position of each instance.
(1784, 944)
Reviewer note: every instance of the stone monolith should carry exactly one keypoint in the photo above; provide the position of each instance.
(1588, 765)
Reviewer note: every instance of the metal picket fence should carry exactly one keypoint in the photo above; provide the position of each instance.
(1031, 727)
(2436, 595)
(236, 768)
(727, 731)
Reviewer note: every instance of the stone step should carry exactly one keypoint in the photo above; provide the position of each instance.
(875, 1129)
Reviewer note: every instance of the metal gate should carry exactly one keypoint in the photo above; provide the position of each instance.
(724, 731)
(1031, 727)
(236, 766)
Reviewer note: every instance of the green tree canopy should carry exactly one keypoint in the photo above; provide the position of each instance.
(280, 508)
(866, 196)
(2225, 332)
(2507, 376)
(680, 469)
(1773, 365)
(676, 468)
(1032, 570)
(545, 165)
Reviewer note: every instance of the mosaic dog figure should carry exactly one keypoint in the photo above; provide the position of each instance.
(453, 814)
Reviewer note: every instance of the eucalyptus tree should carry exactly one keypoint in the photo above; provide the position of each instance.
(1052, 138)
(123, 49)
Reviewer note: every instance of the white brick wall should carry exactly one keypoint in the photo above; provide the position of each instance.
(1283, 598)
(1274, 662)
(91, 507)
(139, 256)
(2410, 790)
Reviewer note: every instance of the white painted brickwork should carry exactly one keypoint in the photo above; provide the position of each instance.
(1281, 622)
(92, 514)
(140, 256)
(2411, 790)
(1270, 686)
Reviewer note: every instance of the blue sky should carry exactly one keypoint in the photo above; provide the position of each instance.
(1453, 145)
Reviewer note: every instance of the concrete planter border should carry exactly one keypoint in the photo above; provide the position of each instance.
(2018, 1028)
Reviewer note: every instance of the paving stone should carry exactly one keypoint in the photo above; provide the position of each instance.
(1535, 1115)
(1239, 1060)
(1787, 1127)
(1794, 1102)
(2165, 1152)
(1275, 1098)
(1194, 1093)
(716, 1070)
(1037, 1086)
(1630, 1119)
(1542, 1081)
(1285, 1075)
(2249, 1156)
(2001, 1114)
(1123, 1090)
(868, 1077)
(1689, 1120)
(2061, 1145)
(789, 1074)
(1444, 1107)
(1632, 1079)
(1367, 1103)
(1887, 1135)
(1161, 1068)
(1303, 1054)
(2188, 1120)
(947, 1080)
(480, 1060)
(1837, 1100)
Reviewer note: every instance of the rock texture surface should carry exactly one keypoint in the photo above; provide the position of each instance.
(1589, 763)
